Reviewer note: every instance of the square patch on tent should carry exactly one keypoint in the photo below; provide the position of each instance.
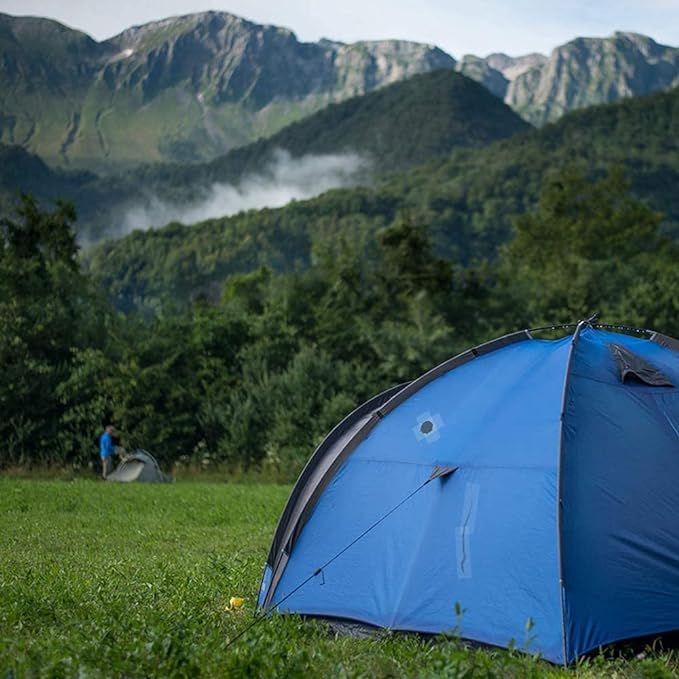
(428, 427)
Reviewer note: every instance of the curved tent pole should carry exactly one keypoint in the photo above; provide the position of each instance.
(322, 449)
(598, 326)
(289, 517)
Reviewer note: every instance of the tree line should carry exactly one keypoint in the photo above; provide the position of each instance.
(256, 378)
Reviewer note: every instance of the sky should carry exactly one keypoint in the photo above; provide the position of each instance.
(459, 27)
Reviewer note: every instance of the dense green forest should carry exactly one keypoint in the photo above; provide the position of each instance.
(254, 376)
(466, 201)
(393, 128)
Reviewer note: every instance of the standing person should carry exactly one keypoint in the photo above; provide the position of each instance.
(106, 447)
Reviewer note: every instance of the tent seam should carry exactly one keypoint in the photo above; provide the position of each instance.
(559, 494)
(466, 466)
(411, 564)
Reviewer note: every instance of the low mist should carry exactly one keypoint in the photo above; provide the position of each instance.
(284, 179)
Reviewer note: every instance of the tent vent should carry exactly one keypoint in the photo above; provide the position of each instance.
(426, 426)
(633, 368)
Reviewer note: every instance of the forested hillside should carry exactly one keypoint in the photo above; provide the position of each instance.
(245, 339)
(396, 127)
(24, 172)
(466, 201)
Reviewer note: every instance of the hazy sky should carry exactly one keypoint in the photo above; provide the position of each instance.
(459, 27)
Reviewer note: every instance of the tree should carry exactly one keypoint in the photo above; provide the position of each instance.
(582, 249)
(409, 262)
(44, 306)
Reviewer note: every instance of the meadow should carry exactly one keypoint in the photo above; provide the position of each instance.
(100, 580)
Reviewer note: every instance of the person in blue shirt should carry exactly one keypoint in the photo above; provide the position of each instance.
(106, 447)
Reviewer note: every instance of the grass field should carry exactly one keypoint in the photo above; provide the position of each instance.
(135, 581)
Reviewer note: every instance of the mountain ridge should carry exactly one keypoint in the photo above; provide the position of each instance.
(582, 72)
(192, 87)
(182, 89)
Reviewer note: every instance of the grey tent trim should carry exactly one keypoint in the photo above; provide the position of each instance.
(314, 478)
(665, 341)
(341, 442)
(298, 496)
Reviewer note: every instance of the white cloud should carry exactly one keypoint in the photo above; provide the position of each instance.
(284, 179)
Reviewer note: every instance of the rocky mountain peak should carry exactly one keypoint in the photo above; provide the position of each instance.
(588, 71)
(512, 67)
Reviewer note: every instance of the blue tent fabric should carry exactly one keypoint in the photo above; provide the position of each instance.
(555, 532)
(620, 527)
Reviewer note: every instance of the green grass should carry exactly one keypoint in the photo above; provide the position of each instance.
(134, 581)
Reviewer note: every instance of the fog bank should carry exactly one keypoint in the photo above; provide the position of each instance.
(284, 179)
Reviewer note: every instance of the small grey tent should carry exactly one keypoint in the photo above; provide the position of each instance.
(139, 466)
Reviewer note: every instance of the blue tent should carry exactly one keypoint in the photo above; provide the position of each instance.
(523, 480)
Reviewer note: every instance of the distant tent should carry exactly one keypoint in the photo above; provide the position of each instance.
(139, 466)
(523, 480)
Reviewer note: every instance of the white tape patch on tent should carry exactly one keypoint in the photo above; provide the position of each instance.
(466, 529)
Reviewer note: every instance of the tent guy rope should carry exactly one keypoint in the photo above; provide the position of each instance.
(437, 472)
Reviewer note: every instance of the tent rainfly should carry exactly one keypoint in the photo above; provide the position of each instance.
(139, 466)
(523, 480)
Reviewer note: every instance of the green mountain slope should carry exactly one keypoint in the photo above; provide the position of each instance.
(45, 73)
(396, 127)
(186, 88)
(467, 200)
(399, 126)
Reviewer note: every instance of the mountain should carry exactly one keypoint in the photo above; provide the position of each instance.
(583, 72)
(590, 71)
(187, 88)
(512, 67)
(467, 200)
(393, 128)
(497, 70)
(191, 88)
